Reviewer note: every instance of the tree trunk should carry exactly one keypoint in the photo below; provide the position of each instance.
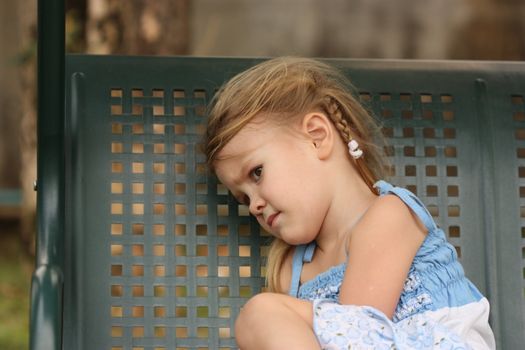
(495, 31)
(27, 87)
(9, 108)
(138, 27)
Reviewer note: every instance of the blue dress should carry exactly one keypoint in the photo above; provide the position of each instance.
(439, 308)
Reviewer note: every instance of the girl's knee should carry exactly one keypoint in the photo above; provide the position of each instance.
(277, 316)
(255, 309)
(254, 315)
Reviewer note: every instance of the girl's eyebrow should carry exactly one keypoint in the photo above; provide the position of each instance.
(243, 167)
(238, 179)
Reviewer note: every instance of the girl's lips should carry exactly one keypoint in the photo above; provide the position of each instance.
(271, 219)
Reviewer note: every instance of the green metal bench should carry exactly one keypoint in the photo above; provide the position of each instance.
(138, 248)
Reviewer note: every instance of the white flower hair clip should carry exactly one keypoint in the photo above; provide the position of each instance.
(354, 150)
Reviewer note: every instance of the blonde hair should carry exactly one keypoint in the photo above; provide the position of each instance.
(287, 87)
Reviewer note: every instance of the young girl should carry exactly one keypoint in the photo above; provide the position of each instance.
(356, 263)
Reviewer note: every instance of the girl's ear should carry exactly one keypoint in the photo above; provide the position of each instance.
(320, 132)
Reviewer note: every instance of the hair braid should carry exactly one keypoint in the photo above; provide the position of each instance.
(341, 124)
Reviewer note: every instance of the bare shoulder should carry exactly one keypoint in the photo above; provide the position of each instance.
(389, 218)
(392, 210)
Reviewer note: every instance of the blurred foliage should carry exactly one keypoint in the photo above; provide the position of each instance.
(75, 39)
(15, 280)
(75, 32)
(27, 54)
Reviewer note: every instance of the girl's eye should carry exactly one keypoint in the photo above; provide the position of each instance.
(256, 173)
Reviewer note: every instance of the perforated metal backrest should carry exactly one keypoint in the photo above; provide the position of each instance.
(159, 256)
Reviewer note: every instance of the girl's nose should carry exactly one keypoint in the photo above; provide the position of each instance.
(256, 205)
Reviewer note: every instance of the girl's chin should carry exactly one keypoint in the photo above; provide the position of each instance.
(294, 240)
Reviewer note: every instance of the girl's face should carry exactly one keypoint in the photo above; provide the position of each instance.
(275, 171)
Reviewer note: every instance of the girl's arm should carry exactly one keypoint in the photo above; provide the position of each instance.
(381, 249)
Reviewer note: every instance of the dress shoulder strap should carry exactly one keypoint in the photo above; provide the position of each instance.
(303, 253)
(410, 200)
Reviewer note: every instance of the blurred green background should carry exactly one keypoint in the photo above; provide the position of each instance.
(401, 29)
(15, 273)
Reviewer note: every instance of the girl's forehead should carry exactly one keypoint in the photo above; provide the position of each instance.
(243, 141)
(251, 136)
(259, 133)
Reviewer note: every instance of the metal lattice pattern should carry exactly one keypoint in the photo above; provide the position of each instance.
(173, 275)
(158, 255)
(421, 133)
(177, 279)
